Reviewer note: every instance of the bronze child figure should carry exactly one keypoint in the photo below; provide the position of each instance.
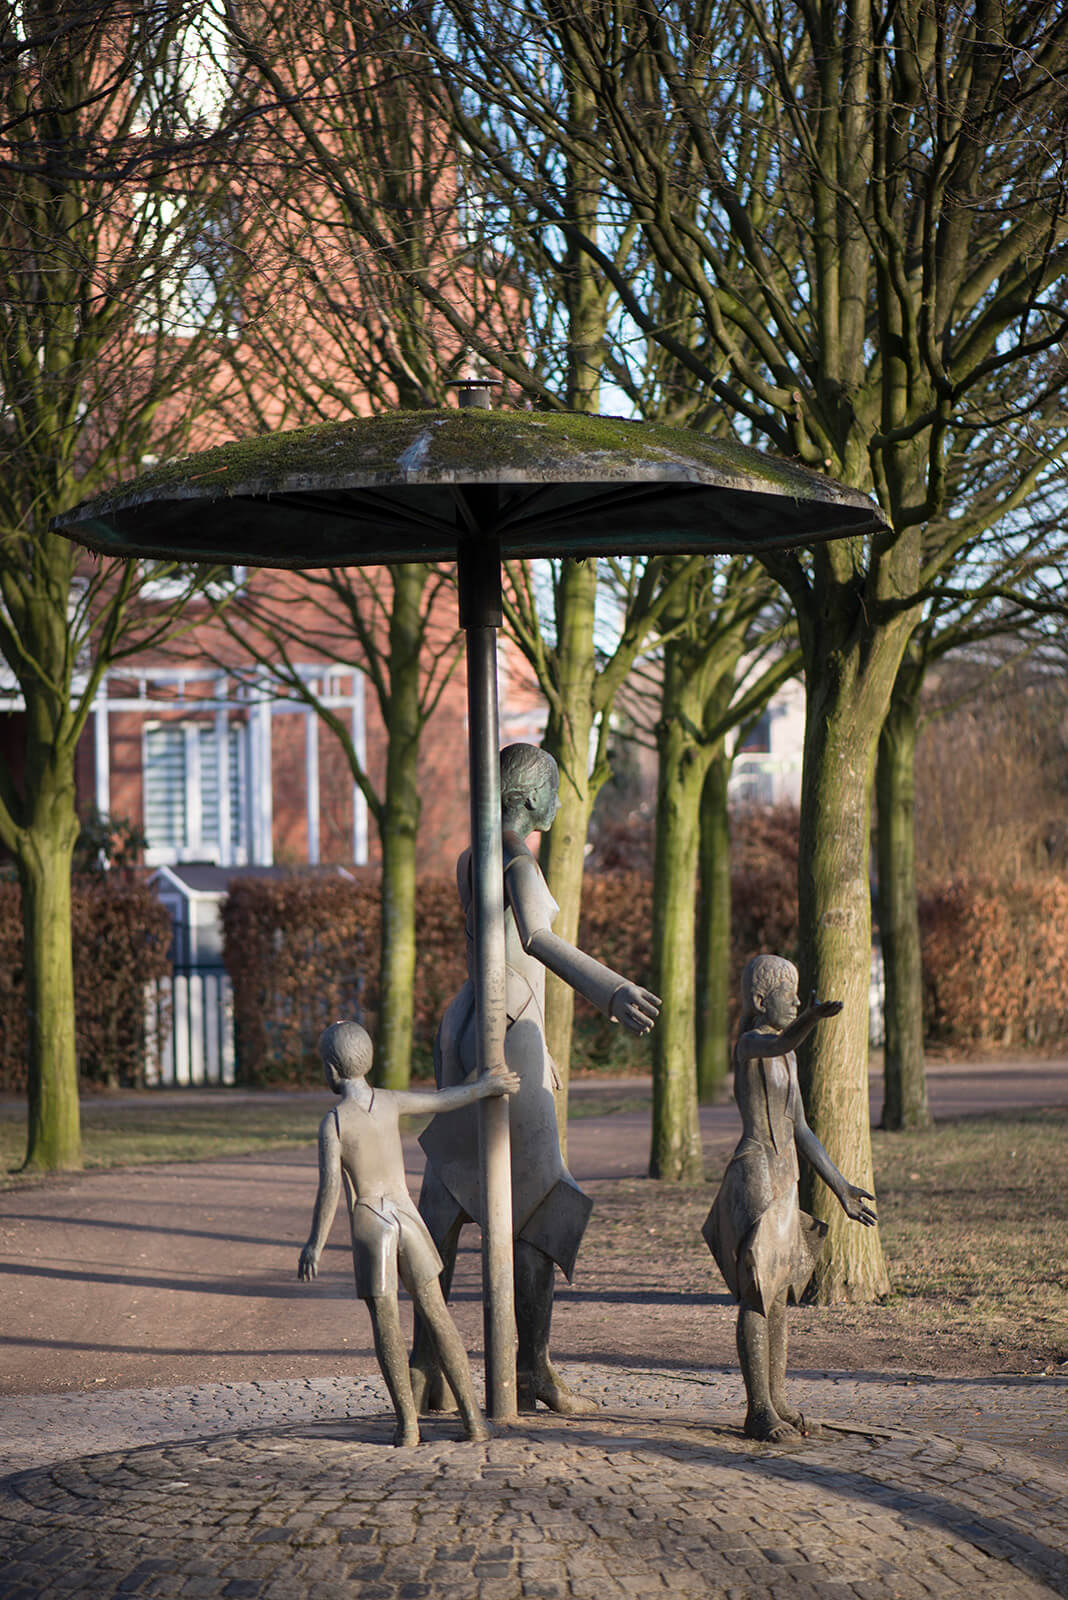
(765, 1246)
(360, 1141)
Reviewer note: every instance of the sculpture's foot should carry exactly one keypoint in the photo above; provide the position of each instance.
(406, 1434)
(478, 1430)
(552, 1391)
(798, 1421)
(767, 1426)
(431, 1391)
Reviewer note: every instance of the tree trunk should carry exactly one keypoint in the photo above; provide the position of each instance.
(714, 931)
(676, 1142)
(398, 830)
(843, 716)
(53, 1125)
(905, 1078)
(567, 738)
(568, 732)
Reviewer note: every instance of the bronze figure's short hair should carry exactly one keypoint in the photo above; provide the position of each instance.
(761, 975)
(346, 1050)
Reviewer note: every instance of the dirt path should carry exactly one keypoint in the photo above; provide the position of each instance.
(183, 1274)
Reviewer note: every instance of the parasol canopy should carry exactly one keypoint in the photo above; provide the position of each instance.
(373, 490)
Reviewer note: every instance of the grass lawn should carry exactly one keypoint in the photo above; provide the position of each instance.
(129, 1133)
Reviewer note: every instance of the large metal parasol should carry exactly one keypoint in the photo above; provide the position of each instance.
(476, 486)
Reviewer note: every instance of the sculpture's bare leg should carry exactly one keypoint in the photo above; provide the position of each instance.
(437, 1322)
(439, 1211)
(777, 1340)
(762, 1420)
(536, 1377)
(393, 1360)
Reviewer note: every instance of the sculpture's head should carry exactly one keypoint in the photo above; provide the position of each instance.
(530, 789)
(346, 1051)
(769, 991)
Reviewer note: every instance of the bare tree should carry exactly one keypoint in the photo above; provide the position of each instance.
(868, 207)
(116, 281)
(723, 650)
(995, 619)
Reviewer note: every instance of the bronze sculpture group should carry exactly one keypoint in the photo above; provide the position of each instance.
(764, 1245)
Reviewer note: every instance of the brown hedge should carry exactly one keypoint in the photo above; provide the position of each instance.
(121, 935)
(302, 951)
(995, 960)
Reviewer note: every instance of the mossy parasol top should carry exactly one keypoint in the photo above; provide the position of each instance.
(407, 485)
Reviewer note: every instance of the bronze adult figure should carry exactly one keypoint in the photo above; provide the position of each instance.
(549, 1210)
(765, 1246)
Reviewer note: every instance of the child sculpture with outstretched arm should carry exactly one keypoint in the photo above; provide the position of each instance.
(765, 1246)
(359, 1140)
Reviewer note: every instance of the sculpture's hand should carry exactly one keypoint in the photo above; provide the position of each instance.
(499, 1080)
(822, 1008)
(309, 1263)
(635, 1008)
(852, 1201)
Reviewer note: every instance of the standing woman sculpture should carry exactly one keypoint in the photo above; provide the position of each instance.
(549, 1210)
(765, 1246)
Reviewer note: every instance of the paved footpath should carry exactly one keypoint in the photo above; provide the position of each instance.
(288, 1489)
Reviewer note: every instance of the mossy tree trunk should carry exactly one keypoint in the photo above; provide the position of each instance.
(848, 687)
(53, 1132)
(714, 930)
(703, 695)
(40, 826)
(398, 826)
(675, 1153)
(904, 1071)
(568, 735)
(711, 620)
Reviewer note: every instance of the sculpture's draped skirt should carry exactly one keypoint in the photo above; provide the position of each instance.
(761, 1252)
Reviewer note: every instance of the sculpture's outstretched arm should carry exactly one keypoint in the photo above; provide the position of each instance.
(327, 1198)
(770, 1042)
(850, 1198)
(419, 1102)
(636, 1008)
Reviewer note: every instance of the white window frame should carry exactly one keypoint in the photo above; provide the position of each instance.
(194, 846)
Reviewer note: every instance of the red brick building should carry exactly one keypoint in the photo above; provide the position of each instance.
(214, 763)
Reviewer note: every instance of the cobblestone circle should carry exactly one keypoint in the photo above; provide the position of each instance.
(658, 1494)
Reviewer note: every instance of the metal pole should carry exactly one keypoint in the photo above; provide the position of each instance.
(479, 574)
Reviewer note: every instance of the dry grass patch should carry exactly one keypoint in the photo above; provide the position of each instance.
(973, 1225)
